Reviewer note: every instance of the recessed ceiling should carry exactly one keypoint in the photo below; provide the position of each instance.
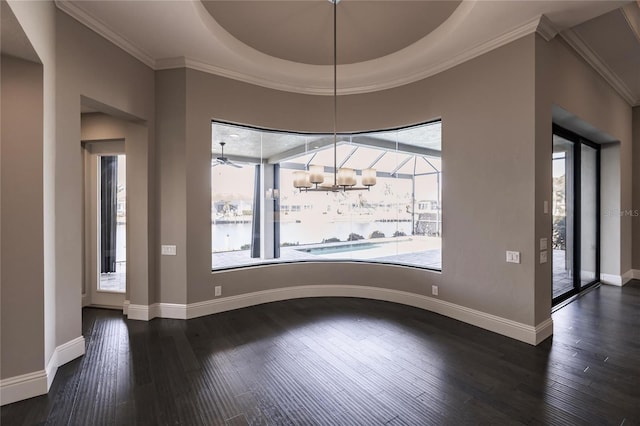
(386, 43)
(303, 31)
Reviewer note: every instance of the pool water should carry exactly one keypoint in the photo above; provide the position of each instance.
(339, 249)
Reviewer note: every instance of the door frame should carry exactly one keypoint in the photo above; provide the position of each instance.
(578, 141)
(92, 296)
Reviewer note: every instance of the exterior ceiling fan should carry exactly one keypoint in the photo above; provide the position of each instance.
(222, 160)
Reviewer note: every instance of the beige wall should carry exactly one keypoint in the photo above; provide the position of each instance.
(636, 188)
(75, 62)
(88, 66)
(171, 204)
(487, 108)
(21, 218)
(37, 19)
(565, 80)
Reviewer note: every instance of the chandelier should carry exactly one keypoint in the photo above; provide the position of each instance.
(344, 179)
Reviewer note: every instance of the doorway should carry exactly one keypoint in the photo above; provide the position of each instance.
(105, 224)
(576, 214)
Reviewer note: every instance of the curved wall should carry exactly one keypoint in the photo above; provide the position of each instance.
(487, 112)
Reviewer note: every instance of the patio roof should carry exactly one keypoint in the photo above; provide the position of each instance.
(411, 151)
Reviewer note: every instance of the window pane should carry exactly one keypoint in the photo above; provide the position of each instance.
(398, 220)
(563, 219)
(588, 214)
(113, 223)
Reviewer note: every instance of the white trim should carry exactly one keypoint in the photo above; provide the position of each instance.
(140, 312)
(71, 350)
(86, 301)
(627, 11)
(125, 307)
(539, 24)
(38, 383)
(519, 331)
(620, 280)
(627, 276)
(544, 330)
(592, 58)
(22, 387)
(183, 62)
(102, 29)
(611, 279)
(52, 368)
(546, 29)
(172, 310)
(514, 34)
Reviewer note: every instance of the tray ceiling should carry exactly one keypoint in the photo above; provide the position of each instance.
(285, 45)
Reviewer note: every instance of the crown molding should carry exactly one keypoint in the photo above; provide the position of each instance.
(102, 29)
(546, 28)
(592, 58)
(516, 33)
(628, 13)
(540, 24)
(183, 62)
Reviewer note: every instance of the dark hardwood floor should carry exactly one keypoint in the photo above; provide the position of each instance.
(347, 361)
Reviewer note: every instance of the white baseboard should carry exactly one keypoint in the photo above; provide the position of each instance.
(140, 312)
(629, 275)
(86, 300)
(52, 368)
(523, 332)
(543, 330)
(620, 280)
(611, 279)
(174, 310)
(22, 387)
(125, 307)
(71, 350)
(38, 383)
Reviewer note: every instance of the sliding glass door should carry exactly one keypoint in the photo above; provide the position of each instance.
(563, 216)
(575, 209)
(589, 201)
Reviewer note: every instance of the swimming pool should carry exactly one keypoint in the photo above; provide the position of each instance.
(339, 249)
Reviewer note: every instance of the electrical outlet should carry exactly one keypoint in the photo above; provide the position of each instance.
(168, 250)
(543, 256)
(543, 243)
(434, 290)
(513, 256)
(218, 290)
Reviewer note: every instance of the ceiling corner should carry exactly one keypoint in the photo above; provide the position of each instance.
(592, 58)
(94, 24)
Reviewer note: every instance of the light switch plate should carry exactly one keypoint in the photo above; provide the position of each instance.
(513, 256)
(543, 243)
(168, 250)
(546, 207)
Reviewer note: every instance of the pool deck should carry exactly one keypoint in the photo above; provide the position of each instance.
(405, 251)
